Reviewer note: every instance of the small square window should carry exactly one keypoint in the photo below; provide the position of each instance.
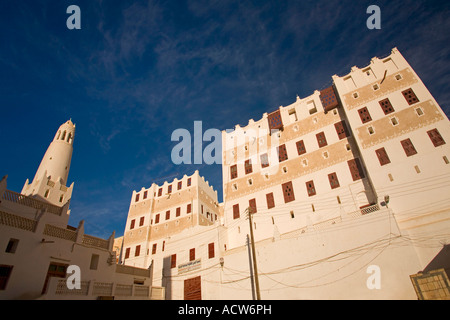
(370, 130)
(375, 87)
(12, 245)
(398, 77)
(355, 95)
(394, 121)
(419, 111)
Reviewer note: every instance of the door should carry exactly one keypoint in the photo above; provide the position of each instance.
(193, 288)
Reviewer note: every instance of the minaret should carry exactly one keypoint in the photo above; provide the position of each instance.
(50, 181)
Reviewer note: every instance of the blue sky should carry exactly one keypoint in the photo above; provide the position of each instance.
(138, 70)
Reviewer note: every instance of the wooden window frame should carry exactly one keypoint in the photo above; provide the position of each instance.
(270, 200)
(288, 192)
(321, 139)
(233, 172)
(386, 106)
(334, 181)
(382, 156)
(236, 213)
(410, 96)
(435, 137)
(310, 188)
(301, 149)
(408, 147)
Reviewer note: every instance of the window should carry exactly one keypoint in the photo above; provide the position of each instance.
(180, 185)
(132, 224)
(410, 96)
(310, 188)
(270, 200)
(192, 254)
(382, 156)
(408, 147)
(169, 189)
(436, 137)
(173, 261)
(160, 192)
(248, 166)
(364, 115)
(12, 245)
(145, 194)
(301, 147)
(94, 262)
(233, 171)
(154, 248)
(275, 122)
(394, 121)
(334, 182)
(341, 130)
(386, 106)
(282, 153)
(157, 218)
(236, 213)
(141, 221)
(288, 192)
(127, 253)
(355, 169)
(137, 198)
(178, 212)
(189, 182)
(5, 273)
(252, 205)
(264, 160)
(167, 214)
(211, 250)
(321, 140)
(189, 208)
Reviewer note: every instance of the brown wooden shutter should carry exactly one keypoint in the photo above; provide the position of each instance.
(382, 156)
(137, 197)
(301, 147)
(270, 200)
(167, 214)
(154, 248)
(364, 115)
(329, 99)
(310, 188)
(321, 140)
(127, 253)
(192, 254)
(132, 224)
(248, 166)
(160, 192)
(275, 122)
(233, 171)
(252, 205)
(173, 261)
(141, 221)
(341, 129)
(334, 182)
(410, 96)
(189, 182)
(193, 288)
(211, 250)
(282, 153)
(169, 189)
(386, 106)
(236, 213)
(145, 194)
(157, 218)
(408, 147)
(180, 185)
(189, 208)
(288, 192)
(436, 137)
(137, 251)
(178, 213)
(355, 169)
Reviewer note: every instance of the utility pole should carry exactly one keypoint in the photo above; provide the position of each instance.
(258, 295)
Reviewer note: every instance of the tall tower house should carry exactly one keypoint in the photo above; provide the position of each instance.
(50, 182)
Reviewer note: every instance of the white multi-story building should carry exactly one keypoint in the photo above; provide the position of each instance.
(348, 192)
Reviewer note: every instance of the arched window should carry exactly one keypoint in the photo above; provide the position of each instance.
(63, 136)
